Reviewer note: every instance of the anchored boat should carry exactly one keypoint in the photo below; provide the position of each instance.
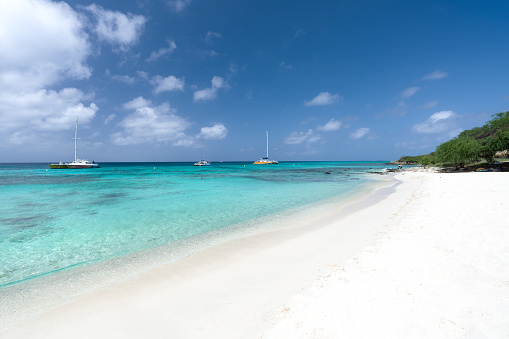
(265, 160)
(202, 162)
(77, 163)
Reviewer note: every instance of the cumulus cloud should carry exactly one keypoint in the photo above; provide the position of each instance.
(300, 137)
(163, 51)
(218, 131)
(137, 103)
(117, 28)
(178, 5)
(151, 124)
(41, 42)
(359, 133)
(437, 123)
(407, 93)
(438, 74)
(210, 93)
(324, 98)
(169, 83)
(331, 125)
(44, 110)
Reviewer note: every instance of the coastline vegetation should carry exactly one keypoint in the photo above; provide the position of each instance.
(470, 147)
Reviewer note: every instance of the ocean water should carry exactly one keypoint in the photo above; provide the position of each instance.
(54, 220)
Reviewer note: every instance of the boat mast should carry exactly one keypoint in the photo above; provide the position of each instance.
(201, 146)
(76, 141)
(267, 132)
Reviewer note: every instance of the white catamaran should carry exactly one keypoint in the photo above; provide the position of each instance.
(202, 162)
(265, 160)
(77, 163)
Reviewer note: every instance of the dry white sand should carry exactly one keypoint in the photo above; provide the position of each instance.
(442, 271)
(429, 260)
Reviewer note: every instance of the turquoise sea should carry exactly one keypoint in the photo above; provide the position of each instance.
(55, 220)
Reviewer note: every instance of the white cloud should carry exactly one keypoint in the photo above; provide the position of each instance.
(407, 93)
(137, 103)
(437, 123)
(218, 131)
(143, 75)
(151, 124)
(314, 138)
(117, 28)
(170, 83)
(331, 125)
(324, 98)
(178, 5)
(300, 137)
(163, 51)
(212, 35)
(359, 133)
(438, 74)
(210, 93)
(43, 111)
(109, 118)
(41, 42)
(233, 70)
(124, 78)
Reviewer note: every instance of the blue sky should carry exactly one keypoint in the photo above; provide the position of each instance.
(329, 80)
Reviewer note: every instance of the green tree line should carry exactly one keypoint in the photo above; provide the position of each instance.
(471, 145)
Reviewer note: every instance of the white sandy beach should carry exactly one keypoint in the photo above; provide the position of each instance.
(430, 259)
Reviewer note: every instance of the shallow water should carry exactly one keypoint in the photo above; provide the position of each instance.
(53, 220)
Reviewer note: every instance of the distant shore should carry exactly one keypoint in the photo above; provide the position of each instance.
(419, 257)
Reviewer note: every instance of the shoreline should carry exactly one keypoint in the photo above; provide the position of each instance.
(26, 301)
(427, 257)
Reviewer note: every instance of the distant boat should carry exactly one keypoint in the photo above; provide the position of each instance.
(265, 160)
(77, 163)
(202, 162)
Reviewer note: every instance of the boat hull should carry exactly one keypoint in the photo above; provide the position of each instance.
(266, 162)
(71, 165)
(79, 166)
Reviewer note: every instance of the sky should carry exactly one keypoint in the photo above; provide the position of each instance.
(156, 80)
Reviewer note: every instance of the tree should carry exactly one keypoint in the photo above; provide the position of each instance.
(458, 150)
(473, 144)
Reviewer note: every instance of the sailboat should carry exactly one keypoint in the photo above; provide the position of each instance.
(77, 163)
(202, 162)
(265, 160)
